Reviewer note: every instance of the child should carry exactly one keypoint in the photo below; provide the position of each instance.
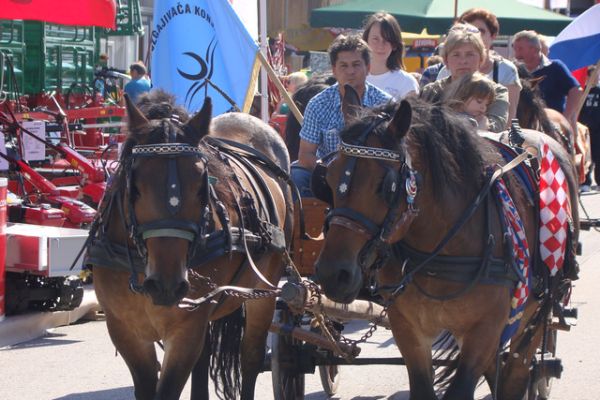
(471, 95)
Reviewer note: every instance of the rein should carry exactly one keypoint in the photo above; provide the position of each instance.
(376, 250)
(398, 289)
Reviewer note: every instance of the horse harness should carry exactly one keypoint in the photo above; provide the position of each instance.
(403, 180)
(257, 232)
(378, 249)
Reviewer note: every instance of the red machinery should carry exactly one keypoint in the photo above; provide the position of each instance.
(77, 213)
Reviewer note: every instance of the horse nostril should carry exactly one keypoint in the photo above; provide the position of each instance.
(182, 290)
(343, 277)
(151, 286)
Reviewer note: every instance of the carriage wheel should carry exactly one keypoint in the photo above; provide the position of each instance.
(329, 374)
(330, 378)
(541, 387)
(288, 380)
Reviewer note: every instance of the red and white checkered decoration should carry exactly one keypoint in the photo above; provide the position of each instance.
(555, 210)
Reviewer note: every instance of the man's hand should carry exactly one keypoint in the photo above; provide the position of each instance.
(307, 154)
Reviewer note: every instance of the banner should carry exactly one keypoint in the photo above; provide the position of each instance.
(578, 45)
(199, 48)
(66, 12)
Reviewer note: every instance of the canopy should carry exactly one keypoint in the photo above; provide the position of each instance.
(65, 12)
(437, 15)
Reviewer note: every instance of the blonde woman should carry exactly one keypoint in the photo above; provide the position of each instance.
(463, 54)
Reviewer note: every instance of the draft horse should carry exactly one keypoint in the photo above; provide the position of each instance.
(195, 206)
(402, 189)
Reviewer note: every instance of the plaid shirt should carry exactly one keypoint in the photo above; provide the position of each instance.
(323, 118)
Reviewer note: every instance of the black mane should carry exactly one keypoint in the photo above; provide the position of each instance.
(451, 148)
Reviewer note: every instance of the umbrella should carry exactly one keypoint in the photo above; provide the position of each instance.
(437, 15)
(65, 12)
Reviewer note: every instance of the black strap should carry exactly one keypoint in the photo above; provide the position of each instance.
(495, 71)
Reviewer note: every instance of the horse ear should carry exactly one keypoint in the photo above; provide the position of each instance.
(197, 127)
(534, 82)
(137, 120)
(401, 120)
(351, 103)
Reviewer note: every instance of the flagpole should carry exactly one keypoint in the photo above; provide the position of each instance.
(264, 90)
(588, 86)
(288, 99)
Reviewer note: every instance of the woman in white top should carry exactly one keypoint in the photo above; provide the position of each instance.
(384, 36)
(496, 67)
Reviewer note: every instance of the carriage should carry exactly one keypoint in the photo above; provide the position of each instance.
(144, 229)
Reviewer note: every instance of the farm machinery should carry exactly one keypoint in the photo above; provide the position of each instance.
(60, 121)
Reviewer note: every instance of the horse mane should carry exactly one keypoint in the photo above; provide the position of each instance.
(451, 148)
(158, 104)
(162, 111)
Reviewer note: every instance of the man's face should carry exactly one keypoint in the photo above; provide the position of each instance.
(351, 69)
(134, 74)
(525, 51)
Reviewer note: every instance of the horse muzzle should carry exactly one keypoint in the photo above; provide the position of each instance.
(340, 281)
(165, 292)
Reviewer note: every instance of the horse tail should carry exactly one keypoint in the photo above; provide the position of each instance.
(446, 357)
(225, 370)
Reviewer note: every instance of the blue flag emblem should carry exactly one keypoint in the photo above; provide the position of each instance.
(201, 48)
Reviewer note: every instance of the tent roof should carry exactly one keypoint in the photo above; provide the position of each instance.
(437, 15)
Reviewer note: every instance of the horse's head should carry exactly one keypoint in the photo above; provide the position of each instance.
(166, 182)
(373, 188)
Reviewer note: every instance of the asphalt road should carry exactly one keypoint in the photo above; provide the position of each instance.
(78, 362)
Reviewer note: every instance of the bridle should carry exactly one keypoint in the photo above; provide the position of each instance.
(403, 180)
(192, 231)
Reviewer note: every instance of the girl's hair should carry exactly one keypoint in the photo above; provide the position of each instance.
(471, 85)
(391, 32)
(461, 34)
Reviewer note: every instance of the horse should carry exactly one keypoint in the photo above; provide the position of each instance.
(532, 112)
(409, 212)
(197, 205)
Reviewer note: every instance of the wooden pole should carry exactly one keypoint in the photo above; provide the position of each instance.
(281, 88)
(591, 81)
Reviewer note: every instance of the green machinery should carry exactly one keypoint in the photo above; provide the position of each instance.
(39, 56)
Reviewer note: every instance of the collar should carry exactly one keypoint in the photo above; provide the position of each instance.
(544, 62)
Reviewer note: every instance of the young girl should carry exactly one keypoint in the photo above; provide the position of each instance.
(383, 35)
(471, 95)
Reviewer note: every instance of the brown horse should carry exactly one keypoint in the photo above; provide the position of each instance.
(532, 112)
(186, 215)
(403, 187)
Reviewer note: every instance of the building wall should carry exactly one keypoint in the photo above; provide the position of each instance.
(283, 14)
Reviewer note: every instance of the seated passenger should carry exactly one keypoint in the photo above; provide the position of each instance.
(463, 54)
(323, 118)
(471, 95)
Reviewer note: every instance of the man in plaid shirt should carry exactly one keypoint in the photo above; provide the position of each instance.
(323, 117)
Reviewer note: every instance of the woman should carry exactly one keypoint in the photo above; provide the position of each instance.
(496, 67)
(384, 36)
(463, 54)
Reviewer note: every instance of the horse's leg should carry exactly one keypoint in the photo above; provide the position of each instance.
(200, 373)
(123, 312)
(140, 357)
(415, 347)
(183, 348)
(478, 351)
(515, 373)
(259, 314)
